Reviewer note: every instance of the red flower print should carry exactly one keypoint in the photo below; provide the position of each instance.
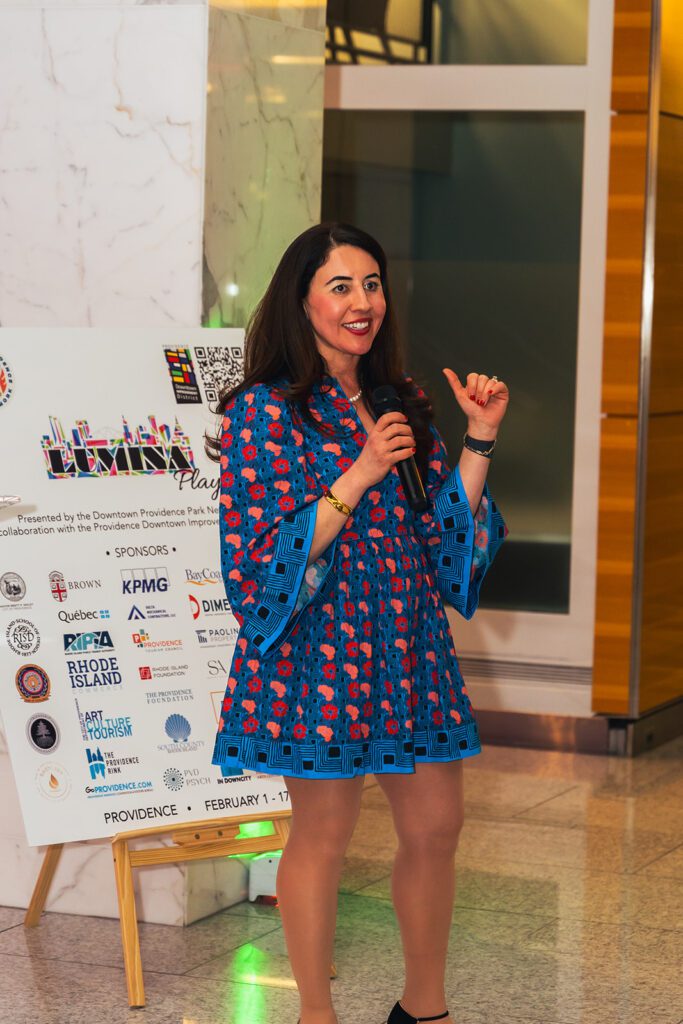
(286, 503)
(392, 726)
(388, 686)
(329, 711)
(280, 708)
(349, 609)
(275, 429)
(329, 630)
(344, 463)
(227, 703)
(250, 413)
(367, 708)
(413, 699)
(367, 628)
(250, 724)
(304, 690)
(299, 730)
(329, 670)
(285, 668)
(351, 648)
(396, 585)
(233, 518)
(249, 452)
(354, 730)
(437, 717)
(401, 623)
(377, 515)
(254, 684)
(257, 491)
(354, 689)
(281, 466)
(249, 586)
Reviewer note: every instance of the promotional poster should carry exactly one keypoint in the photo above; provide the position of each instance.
(116, 633)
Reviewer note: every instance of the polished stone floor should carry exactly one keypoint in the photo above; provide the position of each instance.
(569, 911)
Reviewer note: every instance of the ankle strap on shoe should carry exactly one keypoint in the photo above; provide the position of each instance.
(439, 1016)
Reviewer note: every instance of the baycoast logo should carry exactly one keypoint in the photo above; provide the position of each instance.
(22, 637)
(143, 451)
(80, 643)
(6, 382)
(152, 580)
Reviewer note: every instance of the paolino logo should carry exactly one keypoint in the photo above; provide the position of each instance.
(133, 452)
(79, 643)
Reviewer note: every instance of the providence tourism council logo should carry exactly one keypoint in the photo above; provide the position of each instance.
(144, 451)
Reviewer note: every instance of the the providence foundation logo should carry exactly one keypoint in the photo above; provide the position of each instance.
(142, 451)
(6, 382)
(22, 637)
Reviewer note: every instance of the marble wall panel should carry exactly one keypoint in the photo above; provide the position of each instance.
(299, 13)
(263, 154)
(101, 165)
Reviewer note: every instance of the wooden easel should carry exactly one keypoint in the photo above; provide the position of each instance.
(196, 840)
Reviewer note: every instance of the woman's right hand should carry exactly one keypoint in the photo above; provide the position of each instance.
(390, 441)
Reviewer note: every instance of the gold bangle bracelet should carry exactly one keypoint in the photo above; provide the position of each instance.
(340, 505)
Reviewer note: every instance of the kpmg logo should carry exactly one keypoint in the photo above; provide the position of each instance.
(143, 451)
(79, 643)
(152, 580)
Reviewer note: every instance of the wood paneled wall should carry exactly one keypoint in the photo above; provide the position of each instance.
(660, 666)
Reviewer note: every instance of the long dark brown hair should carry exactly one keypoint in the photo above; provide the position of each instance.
(280, 343)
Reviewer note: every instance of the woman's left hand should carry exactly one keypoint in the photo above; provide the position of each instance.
(484, 402)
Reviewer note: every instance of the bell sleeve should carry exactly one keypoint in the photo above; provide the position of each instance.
(460, 546)
(268, 508)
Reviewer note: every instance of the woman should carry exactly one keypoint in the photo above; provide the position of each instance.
(344, 663)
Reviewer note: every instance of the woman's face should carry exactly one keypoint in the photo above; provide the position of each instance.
(345, 303)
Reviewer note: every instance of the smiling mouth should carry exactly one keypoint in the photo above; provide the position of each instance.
(358, 326)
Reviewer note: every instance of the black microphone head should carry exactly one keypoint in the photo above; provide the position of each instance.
(386, 399)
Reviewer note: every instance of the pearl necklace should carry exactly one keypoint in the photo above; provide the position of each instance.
(354, 398)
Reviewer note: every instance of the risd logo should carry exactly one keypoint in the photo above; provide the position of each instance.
(22, 637)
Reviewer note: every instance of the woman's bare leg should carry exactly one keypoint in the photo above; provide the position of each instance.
(324, 814)
(428, 812)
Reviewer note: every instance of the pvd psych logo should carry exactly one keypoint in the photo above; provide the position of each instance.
(139, 451)
(83, 643)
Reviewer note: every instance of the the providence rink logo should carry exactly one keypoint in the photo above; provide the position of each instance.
(134, 452)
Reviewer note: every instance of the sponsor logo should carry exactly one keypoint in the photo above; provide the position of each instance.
(148, 672)
(183, 377)
(53, 782)
(84, 643)
(145, 450)
(216, 637)
(178, 729)
(6, 382)
(81, 616)
(140, 814)
(208, 606)
(59, 587)
(146, 551)
(95, 725)
(153, 580)
(216, 667)
(169, 696)
(151, 611)
(43, 733)
(173, 779)
(143, 639)
(102, 765)
(33, 683)
(22, 637)
(203, 577)
(87, 672)
(12, 587)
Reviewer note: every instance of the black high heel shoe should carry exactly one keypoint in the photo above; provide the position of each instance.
(400, 1016)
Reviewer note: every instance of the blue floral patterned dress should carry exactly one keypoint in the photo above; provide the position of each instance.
(345, 666)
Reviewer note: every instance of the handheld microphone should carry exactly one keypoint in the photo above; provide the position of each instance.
(386, 399)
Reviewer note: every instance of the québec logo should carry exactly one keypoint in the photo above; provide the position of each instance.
(145, 450)
(77, 643)
(152, 580)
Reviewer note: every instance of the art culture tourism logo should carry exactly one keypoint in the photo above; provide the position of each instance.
(183, 377)
(43, 733)
(12, 587)
(144, 451)
(33, 684)
(22, 637)
(6, 382)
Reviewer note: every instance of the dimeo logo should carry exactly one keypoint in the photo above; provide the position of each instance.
(151, 580)
(82, 642)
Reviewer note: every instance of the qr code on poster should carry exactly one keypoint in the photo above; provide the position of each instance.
(219, 367)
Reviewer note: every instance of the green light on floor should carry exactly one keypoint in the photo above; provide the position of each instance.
(250, 998)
